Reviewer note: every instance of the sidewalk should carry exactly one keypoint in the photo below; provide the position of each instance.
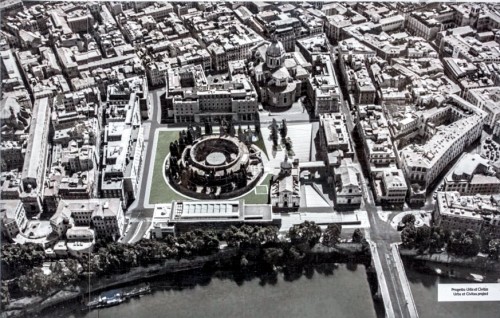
(382, 283)
(410, 302)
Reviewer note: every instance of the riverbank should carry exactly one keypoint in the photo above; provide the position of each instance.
(30, 305)
(478, 263)
(344, 252)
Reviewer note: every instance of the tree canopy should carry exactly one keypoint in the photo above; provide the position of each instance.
(307, 232)
(466, 243)
(331, 236)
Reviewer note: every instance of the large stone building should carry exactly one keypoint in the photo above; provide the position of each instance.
(122, 161)
(472, 175)
(347, 185)
(423, 163)
(35, 158)
(13, 218)
(104, 216)
(323, 88)
(487, 99)
(480, 213)
(334, 140)
(191, 98)
(277, 77)
(15, 120)
(389, 185)
(423, 24)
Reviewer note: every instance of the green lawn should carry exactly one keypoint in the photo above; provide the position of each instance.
(160, 191)
(260, 198)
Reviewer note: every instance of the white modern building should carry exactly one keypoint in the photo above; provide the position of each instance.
(182, 216)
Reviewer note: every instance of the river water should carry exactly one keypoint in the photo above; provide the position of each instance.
(342, 292)
(424, 289)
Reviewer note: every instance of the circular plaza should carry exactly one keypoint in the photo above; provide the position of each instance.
(214, 167)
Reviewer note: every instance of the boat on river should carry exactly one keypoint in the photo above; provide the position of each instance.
(117, 296)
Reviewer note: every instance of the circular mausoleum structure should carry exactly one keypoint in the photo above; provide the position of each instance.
(215, 167)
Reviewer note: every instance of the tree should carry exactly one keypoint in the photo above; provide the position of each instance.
(34, 282)
(5, 294)
(274, 132)
(257, 128)
(284, 128)
(331, 236)
(272, 255)
(437, 239)
(494, 249)
(198, 131)
(207, 128)
(408, 219)
(17, 259)
(268, 234)
(230, 129)
(357, 236)
(408, 236)
(174, 151)
(243, 261)
(305, 233)
(464, 244)
(275, 141)
(234, 237)
(295, 255)
(365, 246)
(182, 144)
(423, 237)
(189, 137)
(288, 144)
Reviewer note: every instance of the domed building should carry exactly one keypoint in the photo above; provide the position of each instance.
(278, 76)
(275, 55)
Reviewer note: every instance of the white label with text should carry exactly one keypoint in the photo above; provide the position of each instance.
(469, 292)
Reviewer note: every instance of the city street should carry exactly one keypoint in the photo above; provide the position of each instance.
(139, 217)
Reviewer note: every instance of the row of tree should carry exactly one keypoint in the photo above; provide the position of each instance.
(303, 237)
(309, 234)
(255, 243)
(434, 239)
(120, 258)
(283, 131)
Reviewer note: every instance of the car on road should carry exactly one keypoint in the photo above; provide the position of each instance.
(261, 108)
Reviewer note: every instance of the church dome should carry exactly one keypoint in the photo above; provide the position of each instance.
(275, 49)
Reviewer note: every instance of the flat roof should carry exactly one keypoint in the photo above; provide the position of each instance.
(39, 125)
(206, 209)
